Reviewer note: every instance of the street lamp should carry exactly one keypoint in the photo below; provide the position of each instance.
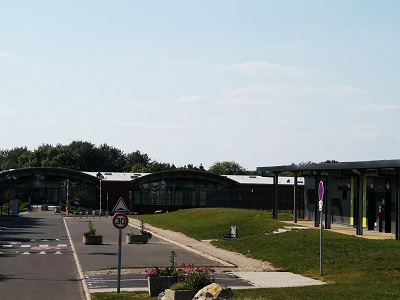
(9, 193)
(101, 177)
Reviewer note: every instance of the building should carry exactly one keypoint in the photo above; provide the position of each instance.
(144, 192)
(363, 194)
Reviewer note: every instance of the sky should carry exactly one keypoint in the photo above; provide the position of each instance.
(258, 82)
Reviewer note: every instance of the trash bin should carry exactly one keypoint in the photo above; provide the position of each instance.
(234, 232)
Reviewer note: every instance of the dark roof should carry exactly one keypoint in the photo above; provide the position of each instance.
(186, 174)
(61, 172)
(393, 164)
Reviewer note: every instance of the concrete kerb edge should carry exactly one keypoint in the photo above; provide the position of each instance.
(78, 265)
(220, 261)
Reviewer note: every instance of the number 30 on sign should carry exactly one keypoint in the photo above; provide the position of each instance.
(120, 221)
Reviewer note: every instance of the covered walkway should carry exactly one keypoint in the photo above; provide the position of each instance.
(362, 194)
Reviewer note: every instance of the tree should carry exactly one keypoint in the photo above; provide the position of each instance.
(18, 157)
(112, 159)
(136, 161)
(227, 168)
(85, 156)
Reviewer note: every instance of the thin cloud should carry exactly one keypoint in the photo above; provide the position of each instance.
(292, 90)
(7, 113)
(374, 108)
(51, 121)
(264, 67)
(243, 101)
(366, 132)
(4, 54)
(144, 126)
(190, 99)
(183, 62)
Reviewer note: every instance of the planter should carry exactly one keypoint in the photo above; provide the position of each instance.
(160, 284)
(92, 239)
(136, 238)
(179, 294)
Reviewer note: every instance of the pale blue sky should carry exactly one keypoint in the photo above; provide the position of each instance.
(257, 82)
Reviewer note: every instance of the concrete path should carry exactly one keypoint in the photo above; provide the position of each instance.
(348, 230)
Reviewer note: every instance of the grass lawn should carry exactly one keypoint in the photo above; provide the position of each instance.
(354, 268)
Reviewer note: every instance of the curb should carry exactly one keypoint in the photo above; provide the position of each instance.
(78, 265)
(220, 261)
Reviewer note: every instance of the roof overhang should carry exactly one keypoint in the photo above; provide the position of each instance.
(380, 166)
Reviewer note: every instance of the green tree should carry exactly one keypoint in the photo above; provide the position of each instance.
(18, 157)
(85, 156)
(112, 159)
(227, 168)
(136, 161)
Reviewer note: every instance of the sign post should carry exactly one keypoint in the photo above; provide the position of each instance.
(320, 205)
(120, 221)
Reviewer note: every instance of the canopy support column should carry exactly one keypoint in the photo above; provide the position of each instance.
(328, 202)
(397, 209)
(276, 194)
(360, 206)
(295, 202)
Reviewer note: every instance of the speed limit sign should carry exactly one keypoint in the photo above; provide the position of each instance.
(120, 221)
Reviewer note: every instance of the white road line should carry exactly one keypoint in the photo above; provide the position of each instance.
(43, 245)
(42, 252)
(58, 252)
(25, 253)
(25, 246)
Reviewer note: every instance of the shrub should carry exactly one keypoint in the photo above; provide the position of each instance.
(25, 206)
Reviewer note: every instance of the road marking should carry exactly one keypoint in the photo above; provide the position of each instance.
(10, 243)
(42, 252)
(7, 246)
(58, 252)
(62, 245)
(25, 253)
(25, 246)
(47, 247)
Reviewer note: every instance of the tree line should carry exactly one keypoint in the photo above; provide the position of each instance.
(85, 156)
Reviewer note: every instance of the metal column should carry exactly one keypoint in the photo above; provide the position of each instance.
(275, 204)
(328, 202)
(397, 207)
(295, 202)
(360, 206)
(316, 207)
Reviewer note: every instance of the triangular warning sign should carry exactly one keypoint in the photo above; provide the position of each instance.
(120, 207)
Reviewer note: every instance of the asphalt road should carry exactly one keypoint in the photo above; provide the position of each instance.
(36, 259)
(104, 257)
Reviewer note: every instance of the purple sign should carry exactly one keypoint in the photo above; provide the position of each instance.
(321, 191)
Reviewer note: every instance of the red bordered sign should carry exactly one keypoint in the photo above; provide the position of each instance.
(120, 221)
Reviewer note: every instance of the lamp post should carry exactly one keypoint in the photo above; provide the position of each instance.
(10, 193)
(101, 177)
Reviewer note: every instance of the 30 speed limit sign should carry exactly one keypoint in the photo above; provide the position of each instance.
(120, 221)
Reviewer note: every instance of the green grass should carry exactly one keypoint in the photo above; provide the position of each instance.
(354, 268)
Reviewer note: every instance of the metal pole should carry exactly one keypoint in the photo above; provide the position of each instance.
(100, 197)
(295, 203)
(320, 244)
(119, 260)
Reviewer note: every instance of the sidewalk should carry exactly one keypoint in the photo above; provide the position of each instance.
(263, 274)
(348, 230)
